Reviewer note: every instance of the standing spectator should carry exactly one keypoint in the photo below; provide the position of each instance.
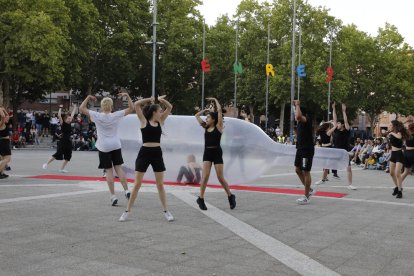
(46, 124)
(29, 115)
(21, 118)
(53, 126)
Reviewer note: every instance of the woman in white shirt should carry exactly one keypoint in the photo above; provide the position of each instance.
(109, 143)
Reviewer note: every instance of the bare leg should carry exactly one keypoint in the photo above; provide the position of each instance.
(137, 185)
(349, 173)
(300, 174)
(110, 180)
(307, 182)
(407, 171)
(120, 172)
(398, 168)
(392, 173)
(220, 176)
(6, 159)
(325, 174)
(206, 175)
(65, 162)
(51, 160)
(159, 179)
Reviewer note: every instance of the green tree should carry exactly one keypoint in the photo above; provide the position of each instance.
(33, 43)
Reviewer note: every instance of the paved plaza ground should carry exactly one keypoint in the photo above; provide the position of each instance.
(68, 227)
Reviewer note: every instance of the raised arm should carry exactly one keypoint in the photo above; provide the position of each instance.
(298, 113)
(168, 108)
(345, 117)
(130, 108)
(138, 109)
(83, 108)
(219, 113)
(331, 130)
(60, 115)
(198, 114)
(73, 111)
(334, 117)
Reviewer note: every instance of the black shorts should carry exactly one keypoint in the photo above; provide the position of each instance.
(5, 147)
(304, 158)
(64, 150)
(408, 158)
(109, 159)
(397, 157)
(213, 155)
(150, 156)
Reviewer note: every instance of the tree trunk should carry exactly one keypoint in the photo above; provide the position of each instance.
(282, 117)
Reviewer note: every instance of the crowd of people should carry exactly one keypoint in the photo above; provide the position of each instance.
(33, 125)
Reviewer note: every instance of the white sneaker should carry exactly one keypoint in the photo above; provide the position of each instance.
(44, 166)
(114, 200)
(168, 216)
(124, 216)
(63, 171)
(303, 201)
(127, 194)
(320, 182)
(351, 187)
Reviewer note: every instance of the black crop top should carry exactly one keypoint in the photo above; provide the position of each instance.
(395, 142)
(212, 139)
(151, 134)
(325, 138)
(4, 132)
(66, 131)
(410, 142)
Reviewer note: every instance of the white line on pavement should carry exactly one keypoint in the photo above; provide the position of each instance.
(278, 250)
(26, 198)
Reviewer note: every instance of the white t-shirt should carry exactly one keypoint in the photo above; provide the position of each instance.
(107, 129)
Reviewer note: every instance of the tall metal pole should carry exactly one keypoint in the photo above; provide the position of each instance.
(267, 75)
(292, 85)
(329, 84)
(235, 73)
(202, 74)
(300, 50)
(154, 44)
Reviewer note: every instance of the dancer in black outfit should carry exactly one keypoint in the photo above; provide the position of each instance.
(325, 131)
(342, 133)
(304, 153)
(213, 153)
(5, 151)
(151, 120)
(397, 133)
(409, 152)
(64, 148)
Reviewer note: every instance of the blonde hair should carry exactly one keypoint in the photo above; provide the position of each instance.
(106, 104)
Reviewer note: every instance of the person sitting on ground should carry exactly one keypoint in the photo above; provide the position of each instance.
(192, 171)
(15, 139)
(370, 163)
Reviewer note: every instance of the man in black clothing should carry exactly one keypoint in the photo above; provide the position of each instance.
(305, 151)
(342, 133)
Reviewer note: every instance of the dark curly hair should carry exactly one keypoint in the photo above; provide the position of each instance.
(399, 127)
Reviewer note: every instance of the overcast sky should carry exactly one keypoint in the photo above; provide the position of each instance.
(368, 15)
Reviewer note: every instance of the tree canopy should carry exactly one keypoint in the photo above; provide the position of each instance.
(95, 45)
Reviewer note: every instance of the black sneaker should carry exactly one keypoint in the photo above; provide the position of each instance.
(201, 204)
(336, 176)
(399, 194)
(232, 201)
(3, 175)
(395, 192)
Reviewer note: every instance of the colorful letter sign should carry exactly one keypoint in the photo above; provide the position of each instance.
(238, 68)
(301, 70)
(205, 66)
(330, 72)
(270, 70)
